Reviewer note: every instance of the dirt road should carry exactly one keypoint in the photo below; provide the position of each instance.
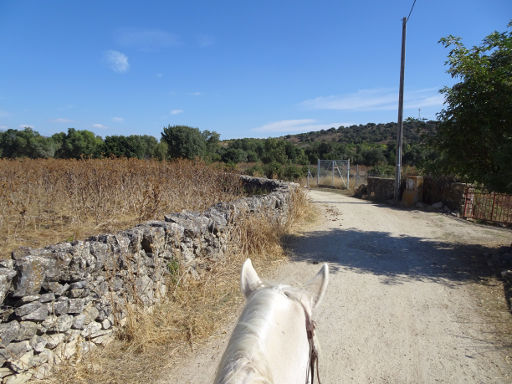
(406, 302)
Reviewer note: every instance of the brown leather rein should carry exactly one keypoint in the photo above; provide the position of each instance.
(313, 351)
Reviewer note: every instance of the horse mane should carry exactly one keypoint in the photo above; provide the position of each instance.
(244, 361)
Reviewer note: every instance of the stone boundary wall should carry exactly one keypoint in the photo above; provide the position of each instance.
(444, 190)
(380, 188)
(70, 297)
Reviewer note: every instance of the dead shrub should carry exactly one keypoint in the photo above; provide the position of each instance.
(48, 201)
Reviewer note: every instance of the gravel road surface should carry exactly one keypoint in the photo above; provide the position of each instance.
(406, 302)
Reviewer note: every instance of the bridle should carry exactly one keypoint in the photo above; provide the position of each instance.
(313, 351)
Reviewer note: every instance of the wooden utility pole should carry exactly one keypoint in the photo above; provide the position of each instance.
(399, 134)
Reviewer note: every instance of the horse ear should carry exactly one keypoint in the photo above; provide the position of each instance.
(318, 284)
(249, 279)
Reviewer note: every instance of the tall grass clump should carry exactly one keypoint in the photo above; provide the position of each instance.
(49, 201)
(195, 310)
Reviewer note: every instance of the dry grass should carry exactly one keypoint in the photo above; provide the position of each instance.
(47, 201)
(194, 311)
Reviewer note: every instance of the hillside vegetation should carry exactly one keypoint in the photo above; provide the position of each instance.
(285, 157)
(371, 133)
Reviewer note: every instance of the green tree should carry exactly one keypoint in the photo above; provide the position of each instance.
(234, 155)
(80, 143)
(26, 143)
(141, 147)
(474, 138)
(160, 151)
(373, 156)
(274, 150)
(184, 142)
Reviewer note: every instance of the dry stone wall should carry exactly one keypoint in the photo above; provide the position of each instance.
(70, 297)
(380, 188)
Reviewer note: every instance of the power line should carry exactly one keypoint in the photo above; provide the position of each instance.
(410, 11)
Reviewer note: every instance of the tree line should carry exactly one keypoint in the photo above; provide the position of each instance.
(186, 142)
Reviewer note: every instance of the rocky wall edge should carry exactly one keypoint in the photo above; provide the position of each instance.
(70, 297)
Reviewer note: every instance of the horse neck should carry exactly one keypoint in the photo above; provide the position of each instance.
(269, 343)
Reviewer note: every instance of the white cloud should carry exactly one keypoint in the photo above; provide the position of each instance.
(376, 99)
(304, 125)
(428, 101)
(117, 119)
(159, 75)
(4, 127)
(61, 120)
(146, 39)
(23, 126)
(99, 126)
(195, 93)
(176, 111)
(117, 61)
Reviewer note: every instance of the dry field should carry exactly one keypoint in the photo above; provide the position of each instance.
(48, 201)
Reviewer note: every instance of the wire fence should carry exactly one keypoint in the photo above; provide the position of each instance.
(341, 174)
(330, 173)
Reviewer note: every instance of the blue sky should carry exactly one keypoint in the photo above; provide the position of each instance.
(241, 68)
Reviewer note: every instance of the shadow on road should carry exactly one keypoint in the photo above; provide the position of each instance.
(396, 259)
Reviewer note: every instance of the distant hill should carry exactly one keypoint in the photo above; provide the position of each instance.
(370, 133)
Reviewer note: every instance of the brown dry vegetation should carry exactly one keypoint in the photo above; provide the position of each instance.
(195, 309)
(48, 201)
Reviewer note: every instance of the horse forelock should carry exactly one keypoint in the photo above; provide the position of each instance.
(244, 359)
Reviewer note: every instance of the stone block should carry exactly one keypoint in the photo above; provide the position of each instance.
(76, 306)
(32, 311)
(8, 332)
(91, 329)
(31, 271)
(38, 343)
(144, 290)
(29, 299)
(91, 313)
(42, 371)
(3, 356)
(23, 363)
(58, 323)
(153, 240)
(53, 340)
(16, 350)
(5, 371)
(55, 287)
(59, 307)
(47, 297)
(106, 324)
(6, 277)
(20, 378)
(79, 322)
(76, 293)
(27, 330)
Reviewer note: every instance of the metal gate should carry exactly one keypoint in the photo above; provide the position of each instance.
(333, 173)
(494, 207)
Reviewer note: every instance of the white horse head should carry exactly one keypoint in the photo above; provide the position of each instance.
(273, 342)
